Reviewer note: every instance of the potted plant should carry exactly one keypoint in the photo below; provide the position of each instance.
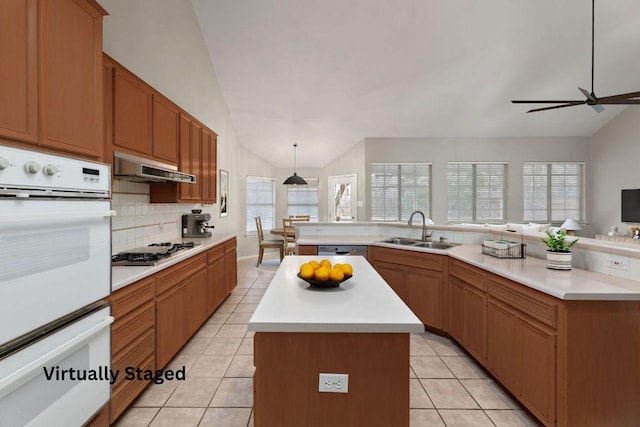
(559, 252)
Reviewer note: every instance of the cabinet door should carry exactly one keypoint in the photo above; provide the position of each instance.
(456, 309)
(424, 296)
(501, 343)
(536, 354)
(216, 285)
(475, 326)
(184, 161)
(209, 166)
(394, 277)
(195, 310)
(170, 325)
(195, 159)
(165, 129)
(18, 56)
(132, 113)
(71, 108)
(231, 271)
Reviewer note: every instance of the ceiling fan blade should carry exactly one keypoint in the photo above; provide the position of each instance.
(619, 101)
(545, 102)
(598, 108)
(571, 104)
(588, 95)
(622, 96)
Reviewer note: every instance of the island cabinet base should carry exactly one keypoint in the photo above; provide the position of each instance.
(287, 378)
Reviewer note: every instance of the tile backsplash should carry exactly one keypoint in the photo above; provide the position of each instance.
(138, 222)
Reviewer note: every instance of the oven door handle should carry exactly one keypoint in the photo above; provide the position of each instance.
(12, 219)
(33, 369)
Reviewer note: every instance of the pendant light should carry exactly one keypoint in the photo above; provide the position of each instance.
(294, 179)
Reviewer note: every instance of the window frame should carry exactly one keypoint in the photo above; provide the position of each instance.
(399, 208)
(312, 183)
(266, 227)
(474, 192)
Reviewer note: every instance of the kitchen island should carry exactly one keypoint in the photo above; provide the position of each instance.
(360, 328)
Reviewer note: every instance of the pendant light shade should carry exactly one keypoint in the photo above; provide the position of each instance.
(294, 179)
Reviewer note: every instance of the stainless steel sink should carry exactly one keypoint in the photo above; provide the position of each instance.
(433, 245)
(401, 241)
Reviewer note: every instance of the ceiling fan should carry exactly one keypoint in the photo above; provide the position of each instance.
(591, 98)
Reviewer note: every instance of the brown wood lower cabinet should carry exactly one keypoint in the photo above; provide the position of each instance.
(307, 250)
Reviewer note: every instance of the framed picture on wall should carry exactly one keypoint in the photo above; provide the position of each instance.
(224, 191)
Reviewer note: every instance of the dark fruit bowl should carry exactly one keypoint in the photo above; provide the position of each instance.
(326, 283)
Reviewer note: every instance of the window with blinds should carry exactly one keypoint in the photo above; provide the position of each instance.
(260, 202)
(398, 189)
(303, 199)
(476, 192)
(553, 191)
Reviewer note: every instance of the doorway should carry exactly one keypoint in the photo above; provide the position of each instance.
(343, 195)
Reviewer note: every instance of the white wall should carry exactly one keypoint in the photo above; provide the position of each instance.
(616, 152)
(439, 151)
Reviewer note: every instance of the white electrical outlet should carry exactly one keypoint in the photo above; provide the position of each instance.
(619, 262)
(334, 383)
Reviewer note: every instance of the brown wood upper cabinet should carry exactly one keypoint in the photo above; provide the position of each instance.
(51, 93)
(165, 116)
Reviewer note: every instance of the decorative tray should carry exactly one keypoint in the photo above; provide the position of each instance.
(326, 283)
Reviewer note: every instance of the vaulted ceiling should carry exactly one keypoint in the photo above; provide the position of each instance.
(326, 74)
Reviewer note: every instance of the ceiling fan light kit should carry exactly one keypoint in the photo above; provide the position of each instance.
(294, 179)
(591, 98)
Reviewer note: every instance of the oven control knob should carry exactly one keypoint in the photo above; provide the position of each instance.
(50, 169)
(32, 167)
(4, 163)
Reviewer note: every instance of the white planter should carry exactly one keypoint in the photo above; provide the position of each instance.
(559, 260)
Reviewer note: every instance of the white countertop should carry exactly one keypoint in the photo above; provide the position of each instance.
(364, 303)
(123, 276)
(576, 284)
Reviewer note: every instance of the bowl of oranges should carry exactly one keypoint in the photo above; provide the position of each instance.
(321, 274)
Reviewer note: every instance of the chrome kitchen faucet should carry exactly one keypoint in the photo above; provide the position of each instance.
(425, 237)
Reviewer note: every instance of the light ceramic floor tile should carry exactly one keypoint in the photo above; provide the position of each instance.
(208, 330)
(195, 346)
(420, 347)
(446, 347)
(412, 374)
(241, 367)
(510, 418)
(238, 318)
(251, 420)
(234, 299)
(251, 299)
(226, 417)
(234, 393)
(417, 396)
(239, 292)
(460, 418)
(249, 334)
(246, 308)
(178, 417)
(211, 365)
(194, 392)
(246, 347)
(232, 331)
(430, 367)
(227, 307)
(136, 417)
(488, 394)
(448, 394)
(425, 418)
(256, 292)
(156, 395)
(218, 317)
(223, 346)
(464, 367)
(259, 284)
(181, 361)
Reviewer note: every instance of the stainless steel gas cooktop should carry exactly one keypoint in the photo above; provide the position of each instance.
(153, 254)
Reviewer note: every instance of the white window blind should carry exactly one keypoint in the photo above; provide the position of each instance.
(476, 191)
(397, 189)
(260, 202)
(303, 199)
(553, 191)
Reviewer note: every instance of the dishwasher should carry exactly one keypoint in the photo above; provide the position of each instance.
(328, 250)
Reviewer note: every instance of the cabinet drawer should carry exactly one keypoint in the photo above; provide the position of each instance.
(468, 274)
(410, 258)
(127, 391)
(134, 354)
(179, 272)
(131, 326)
(129, 298)
(542, 308)
(215, 253)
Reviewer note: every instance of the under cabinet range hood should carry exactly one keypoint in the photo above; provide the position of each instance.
(132, 168)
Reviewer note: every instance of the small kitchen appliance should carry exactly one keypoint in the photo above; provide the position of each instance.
(195, 224)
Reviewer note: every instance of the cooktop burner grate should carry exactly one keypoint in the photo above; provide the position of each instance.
(149, 255)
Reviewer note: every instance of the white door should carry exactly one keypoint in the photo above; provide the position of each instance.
(343, 195)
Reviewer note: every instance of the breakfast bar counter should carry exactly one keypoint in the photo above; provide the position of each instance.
(360, 328)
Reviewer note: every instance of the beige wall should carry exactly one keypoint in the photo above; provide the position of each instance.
(616, 151)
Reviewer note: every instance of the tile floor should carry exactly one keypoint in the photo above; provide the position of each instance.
(447, 387)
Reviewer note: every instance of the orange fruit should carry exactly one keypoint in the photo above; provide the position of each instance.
(336, 274)
(347, 269)
(307, 271)
(322, 274)
(315, 264)
(337, 265)
(326, 263)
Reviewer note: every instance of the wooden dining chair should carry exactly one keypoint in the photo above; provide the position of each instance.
(267, 243)
(289, 236)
